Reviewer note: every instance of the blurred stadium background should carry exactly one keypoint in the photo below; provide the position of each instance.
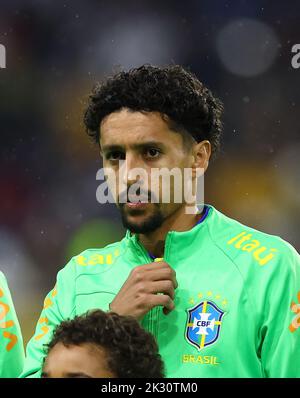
(56, 50)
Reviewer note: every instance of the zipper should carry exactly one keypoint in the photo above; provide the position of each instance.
(152, 318)
(148, 319)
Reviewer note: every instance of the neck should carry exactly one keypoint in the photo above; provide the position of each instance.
(154, 242)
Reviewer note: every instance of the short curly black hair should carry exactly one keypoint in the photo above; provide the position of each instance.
(131, 350)
(172, 91)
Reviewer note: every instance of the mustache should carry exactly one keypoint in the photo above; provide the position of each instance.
(138, 195)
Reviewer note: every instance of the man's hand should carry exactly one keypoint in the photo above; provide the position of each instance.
(139, 295)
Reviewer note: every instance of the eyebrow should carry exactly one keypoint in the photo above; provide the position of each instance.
(69, 375)
(78, 374)
(143, 145)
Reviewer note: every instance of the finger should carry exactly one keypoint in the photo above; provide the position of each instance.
(161, 300)
(154, 265)
(166, 311)
(162, 274)
(139, 272)
(152, 272)
(167, 267)
(165, 287)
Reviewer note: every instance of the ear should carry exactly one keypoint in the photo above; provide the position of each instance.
(201, 154)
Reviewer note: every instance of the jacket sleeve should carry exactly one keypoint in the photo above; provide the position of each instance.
(59, 305)
(11, 342)
(280, 353)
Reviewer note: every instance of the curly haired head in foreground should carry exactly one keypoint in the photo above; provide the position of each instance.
(129, 350)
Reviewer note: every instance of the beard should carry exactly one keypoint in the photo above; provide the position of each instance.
(150, 224)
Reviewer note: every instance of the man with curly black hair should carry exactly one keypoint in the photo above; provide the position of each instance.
(99, 344)
(219, 297)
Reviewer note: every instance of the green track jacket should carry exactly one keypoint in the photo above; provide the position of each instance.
(11, 342)
(237, 303)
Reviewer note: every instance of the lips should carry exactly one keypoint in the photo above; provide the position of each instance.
(138, 199)
(137, 205)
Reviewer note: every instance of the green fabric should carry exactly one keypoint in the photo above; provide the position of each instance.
(11, 342)
(252, 277)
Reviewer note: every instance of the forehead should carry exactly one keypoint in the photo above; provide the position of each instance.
(75, 357)
(124, 127)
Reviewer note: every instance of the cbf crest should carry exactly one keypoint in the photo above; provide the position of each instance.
(204, 324)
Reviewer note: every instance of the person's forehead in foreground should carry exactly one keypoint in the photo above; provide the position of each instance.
(76, 361)
(102, 344)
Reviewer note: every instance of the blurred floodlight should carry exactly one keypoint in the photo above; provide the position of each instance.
(247, 47)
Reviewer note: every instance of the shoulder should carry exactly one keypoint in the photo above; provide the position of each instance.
(246, 246)
(94, 259)
(102, 256)
(3, 281)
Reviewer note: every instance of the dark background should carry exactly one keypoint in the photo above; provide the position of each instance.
(57, 50)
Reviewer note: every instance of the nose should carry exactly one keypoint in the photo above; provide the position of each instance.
(129, 170)
(133, 172)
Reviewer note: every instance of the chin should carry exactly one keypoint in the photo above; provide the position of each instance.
(142, 219)
(136, 223)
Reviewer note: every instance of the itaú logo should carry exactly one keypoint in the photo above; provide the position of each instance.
(2, 57)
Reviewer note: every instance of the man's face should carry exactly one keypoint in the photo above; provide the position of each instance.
(82, 361)
(144, 141)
